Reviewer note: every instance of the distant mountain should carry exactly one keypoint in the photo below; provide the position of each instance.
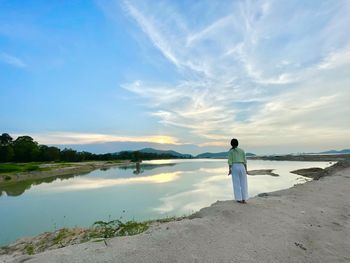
(213, 155)
(345, 151)
(171, 152)
(220, 155)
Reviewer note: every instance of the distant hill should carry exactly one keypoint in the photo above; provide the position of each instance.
(219, 155)
(171, 152)
(213, 155)
(345, 151)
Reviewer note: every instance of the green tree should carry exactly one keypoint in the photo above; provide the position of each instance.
(69, 155)
(136, 156)
(87, 156)
(5, 139)
(25, 149)
(48, 153)
(54, 153)
(6, 153)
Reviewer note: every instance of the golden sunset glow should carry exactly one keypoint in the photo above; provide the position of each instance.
(86, 138)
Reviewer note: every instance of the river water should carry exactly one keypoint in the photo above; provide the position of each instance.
(162, 188)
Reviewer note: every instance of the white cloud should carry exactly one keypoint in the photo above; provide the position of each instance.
(336, 59)
(265, 71)
(148, 27)
(12, 60)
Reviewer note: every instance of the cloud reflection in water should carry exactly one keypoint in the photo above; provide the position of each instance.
(94, 183)
(216, 187)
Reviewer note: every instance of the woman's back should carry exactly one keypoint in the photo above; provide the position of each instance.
(236, 155)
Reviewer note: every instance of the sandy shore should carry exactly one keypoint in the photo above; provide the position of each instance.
(303, 157)
(306, 223)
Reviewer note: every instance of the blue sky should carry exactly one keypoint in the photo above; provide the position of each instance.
(186, 75)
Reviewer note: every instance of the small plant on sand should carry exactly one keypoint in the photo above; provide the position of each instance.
(166, 219)
(114, 228)
(29, 249)
(62, 234)
(106, 229)
(131, 228)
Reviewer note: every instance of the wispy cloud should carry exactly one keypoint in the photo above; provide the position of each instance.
(264, 71)
(148, 28)
(336, 59)
(12, 60)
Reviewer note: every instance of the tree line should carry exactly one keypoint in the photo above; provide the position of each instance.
(25, 149)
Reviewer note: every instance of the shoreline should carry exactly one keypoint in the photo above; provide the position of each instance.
(303, 157)
(58, 169)
(211, 218)
(52, 170)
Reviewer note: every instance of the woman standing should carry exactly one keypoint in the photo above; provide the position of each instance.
(237, 163)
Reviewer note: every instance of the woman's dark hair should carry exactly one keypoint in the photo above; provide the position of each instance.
(234, 143)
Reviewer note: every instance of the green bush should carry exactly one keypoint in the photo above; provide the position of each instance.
(9, 168)
(16, 168)
(29, 249)
(30, 168)
(131, 228)
(117, 228)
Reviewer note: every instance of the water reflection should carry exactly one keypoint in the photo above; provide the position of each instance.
(219, 170)
(145, 166)
(159, 189)
(17, 189)
(95, 183)
(216, 187)
(214, 184)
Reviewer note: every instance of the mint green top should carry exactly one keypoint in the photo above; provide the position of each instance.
(236, 155)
